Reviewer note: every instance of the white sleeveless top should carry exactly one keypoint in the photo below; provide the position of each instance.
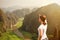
(42, 27)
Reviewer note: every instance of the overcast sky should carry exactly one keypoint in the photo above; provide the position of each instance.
(26, 3)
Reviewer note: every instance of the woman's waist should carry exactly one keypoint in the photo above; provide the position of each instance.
(44, 36)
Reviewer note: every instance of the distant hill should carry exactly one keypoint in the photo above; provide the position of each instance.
(10, 9)
(21, 12)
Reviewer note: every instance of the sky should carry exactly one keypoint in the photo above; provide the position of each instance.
(26, 3)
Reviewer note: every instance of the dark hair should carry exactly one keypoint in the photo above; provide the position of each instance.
(43, 19)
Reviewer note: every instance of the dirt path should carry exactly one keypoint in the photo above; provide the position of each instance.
(27, 39)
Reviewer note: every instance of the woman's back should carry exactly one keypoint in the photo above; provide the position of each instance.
(44, 28)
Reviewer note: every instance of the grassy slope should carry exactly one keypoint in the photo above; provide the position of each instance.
(10, 35)
(19, 23)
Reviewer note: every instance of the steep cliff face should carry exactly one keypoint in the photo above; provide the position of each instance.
(3, 21)
(6, 20)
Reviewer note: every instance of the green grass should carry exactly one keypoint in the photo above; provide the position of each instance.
(10, 36)
(30, 35)
(27, 34)
(19, 23)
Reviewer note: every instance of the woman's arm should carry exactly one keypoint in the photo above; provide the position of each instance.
(40, 34)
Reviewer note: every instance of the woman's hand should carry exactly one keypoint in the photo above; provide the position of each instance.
(39, 37)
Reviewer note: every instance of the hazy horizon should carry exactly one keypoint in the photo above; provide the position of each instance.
(26, 3)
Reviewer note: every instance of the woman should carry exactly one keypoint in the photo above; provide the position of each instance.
(42, 28)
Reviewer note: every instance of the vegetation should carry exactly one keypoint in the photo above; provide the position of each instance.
(5, 26)
(30, 36)
(10, 36)
(19, 23)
